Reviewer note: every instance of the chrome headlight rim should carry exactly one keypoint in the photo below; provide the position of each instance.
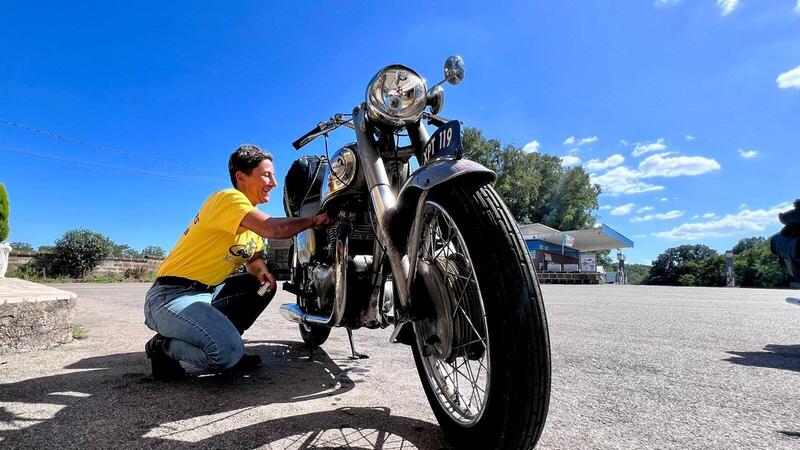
(342, 170)
(376, 99)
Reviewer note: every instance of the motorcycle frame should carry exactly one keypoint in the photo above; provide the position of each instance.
(392, 206)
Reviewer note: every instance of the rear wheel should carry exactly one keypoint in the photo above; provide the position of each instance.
(482, 348)
(312, 335)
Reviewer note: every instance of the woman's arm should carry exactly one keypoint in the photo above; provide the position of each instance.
(281, 228)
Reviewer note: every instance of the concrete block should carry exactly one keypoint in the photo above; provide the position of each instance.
(34, 316)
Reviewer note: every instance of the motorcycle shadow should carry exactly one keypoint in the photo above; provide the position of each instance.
(775, 356)
(112, 401)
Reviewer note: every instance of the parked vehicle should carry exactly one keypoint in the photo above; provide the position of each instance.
(786, 245)
(432, 252)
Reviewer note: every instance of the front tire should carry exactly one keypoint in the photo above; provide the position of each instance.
(487, 376)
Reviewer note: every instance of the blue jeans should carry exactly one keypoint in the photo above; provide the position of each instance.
(205, 328)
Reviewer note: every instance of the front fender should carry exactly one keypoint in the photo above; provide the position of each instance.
(436, 175)
(439, 173)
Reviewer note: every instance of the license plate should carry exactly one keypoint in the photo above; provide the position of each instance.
(444, 143)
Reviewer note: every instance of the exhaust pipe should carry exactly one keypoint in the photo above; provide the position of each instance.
(296, 314)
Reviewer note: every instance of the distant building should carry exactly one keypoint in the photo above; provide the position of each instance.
(569, 256)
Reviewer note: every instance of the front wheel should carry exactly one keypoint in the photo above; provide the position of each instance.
(482, 347)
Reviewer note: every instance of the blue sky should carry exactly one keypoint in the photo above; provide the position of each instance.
(686, 112)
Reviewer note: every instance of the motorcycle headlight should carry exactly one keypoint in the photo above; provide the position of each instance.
(396, 96)
(343, 169)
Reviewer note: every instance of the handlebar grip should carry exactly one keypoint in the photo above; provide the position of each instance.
(299, 142)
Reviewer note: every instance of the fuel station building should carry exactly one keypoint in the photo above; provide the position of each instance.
(569, 256)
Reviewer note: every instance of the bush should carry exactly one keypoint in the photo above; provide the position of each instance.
(78, 252)
(4, 211)
(137, 273)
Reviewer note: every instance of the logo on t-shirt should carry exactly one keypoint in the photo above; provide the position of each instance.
(243, 251)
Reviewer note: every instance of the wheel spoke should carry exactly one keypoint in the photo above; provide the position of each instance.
(460, 384)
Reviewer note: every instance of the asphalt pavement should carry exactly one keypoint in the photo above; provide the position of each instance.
(633, 367)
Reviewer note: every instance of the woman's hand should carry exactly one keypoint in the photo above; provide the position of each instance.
(321, 221)
(267, 277)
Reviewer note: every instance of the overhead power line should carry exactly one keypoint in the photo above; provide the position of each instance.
(104, 148)
(111, 168)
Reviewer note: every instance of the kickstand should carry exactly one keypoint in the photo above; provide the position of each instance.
(355, 354)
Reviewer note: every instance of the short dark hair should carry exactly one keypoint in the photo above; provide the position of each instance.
(245, 159)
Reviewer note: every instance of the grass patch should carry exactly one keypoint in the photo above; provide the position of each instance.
(79, 332)
(129, 276)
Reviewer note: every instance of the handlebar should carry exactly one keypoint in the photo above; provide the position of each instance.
(322, 128)
(338, 120)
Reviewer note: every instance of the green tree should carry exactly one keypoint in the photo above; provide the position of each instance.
(758, 267)
(748, 243)
(80, 251)
(4, 212)
(153, 251)
(709, 271)
(636, 273)
(124, 251)
(22, 247)
(46, 249)
(674, 262)
(534, 186)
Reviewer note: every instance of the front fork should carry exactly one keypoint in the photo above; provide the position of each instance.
(384, 201)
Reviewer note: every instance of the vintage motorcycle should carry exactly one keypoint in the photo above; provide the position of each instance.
(433, 252)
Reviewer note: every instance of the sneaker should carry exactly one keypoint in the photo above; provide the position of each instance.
(164, 367)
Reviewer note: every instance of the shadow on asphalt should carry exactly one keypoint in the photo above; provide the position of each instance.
(774, 356)
(112, 401)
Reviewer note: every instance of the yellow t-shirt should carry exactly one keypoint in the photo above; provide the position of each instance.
(214, 245)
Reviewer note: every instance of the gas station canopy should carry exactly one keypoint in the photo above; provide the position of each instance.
(601, 237)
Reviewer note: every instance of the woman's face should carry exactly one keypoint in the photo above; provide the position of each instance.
(259, 183)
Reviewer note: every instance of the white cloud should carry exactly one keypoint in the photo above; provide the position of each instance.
(572, 151)
(567, 161)
(727, 6)
(661, 3)
(744, 221)
(709, 216)
(624, 142)
(572, 140)
(621, 210)
(791, 78)
(605, 207)
(663, 199)
(797, 8)
(674, 214)
(644, 209)
(531, 147)
(646, 147)
(622, 180)
(595, 165)
(675, 166)
(689, 137)
(748, 154)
